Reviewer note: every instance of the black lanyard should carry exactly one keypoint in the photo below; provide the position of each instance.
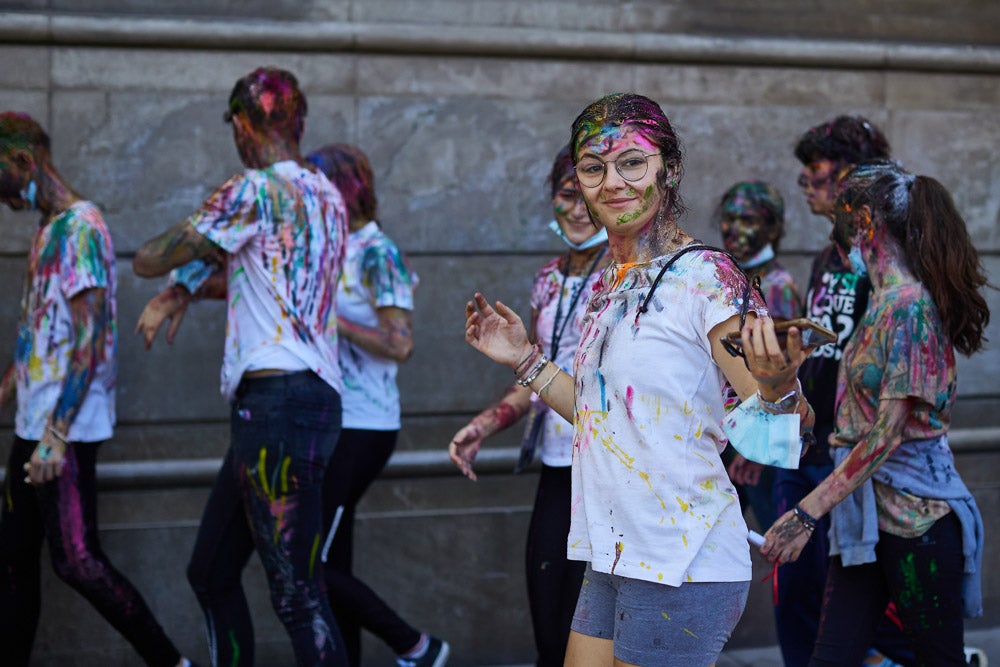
(557, 331)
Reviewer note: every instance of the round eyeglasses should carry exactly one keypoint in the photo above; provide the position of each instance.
(631, 166)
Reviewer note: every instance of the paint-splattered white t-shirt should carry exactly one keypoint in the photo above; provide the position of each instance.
(71, 254)
(557, 438)
(375, 276)
(651, 498)
(284, 229)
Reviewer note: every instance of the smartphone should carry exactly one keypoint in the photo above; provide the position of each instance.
(813, 335)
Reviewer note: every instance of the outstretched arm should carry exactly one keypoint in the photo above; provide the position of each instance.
(178, 245)
(392, 339)
(499, 333)
(89, 324)
(464, 446)
(789, 535)
(171, 304)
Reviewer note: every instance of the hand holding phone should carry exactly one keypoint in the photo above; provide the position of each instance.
(813, 335)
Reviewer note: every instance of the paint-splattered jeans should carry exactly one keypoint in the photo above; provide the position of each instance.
(64, 511)
(268, 497)
(922, 575)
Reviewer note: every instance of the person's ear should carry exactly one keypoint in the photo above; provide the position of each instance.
(23, 159)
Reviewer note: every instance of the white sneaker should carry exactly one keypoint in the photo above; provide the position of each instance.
(975, 657)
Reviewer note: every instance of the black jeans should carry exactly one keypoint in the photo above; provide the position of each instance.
(356, 462)
(65, 512)
(922, 576)
(553, 580)
(801, 582)
(268, 497)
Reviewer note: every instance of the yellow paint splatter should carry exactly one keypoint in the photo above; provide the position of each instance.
(684, 505)
(688, 410)
(665, 615)
(691, 633)
(659, 576)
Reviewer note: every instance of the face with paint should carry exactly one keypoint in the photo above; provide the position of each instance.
(629, 197)
(853, 230)
(17, 177)
(819, 181)
(745, 225)
(571, 212)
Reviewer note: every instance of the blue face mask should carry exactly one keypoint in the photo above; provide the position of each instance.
(597, 239)
(763, 256)
(760, 436)
(29, 194)
(857, 261)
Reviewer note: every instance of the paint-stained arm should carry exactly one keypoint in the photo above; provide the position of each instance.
(88, 316)
(171, 305)
(787, 537)
(465, 445)
(178, 245)
(393, 339)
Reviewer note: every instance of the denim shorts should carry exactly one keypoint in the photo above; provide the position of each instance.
(656, 625)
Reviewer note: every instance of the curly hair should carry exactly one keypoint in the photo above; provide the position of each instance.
(843, 140)
(270, 97)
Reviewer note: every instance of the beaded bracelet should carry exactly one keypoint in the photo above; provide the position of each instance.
(525, 363)
(533, 374)
(803, 518)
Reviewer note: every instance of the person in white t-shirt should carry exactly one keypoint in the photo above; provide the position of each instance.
(375, 331)
(559, 298)
(278, 229)
(63, 378)
(654, 513)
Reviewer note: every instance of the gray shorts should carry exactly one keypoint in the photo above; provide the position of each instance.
(655, 625)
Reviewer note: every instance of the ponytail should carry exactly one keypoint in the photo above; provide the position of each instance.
(938, 248)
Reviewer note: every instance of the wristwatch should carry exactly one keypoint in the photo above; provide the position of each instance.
(783, 405)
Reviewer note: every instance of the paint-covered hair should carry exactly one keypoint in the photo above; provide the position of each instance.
(764, 201)
(844, 140)
(348, 168)
(920, 214)
(270, 98)
(562, 168)
(646, 116)
(19, 131)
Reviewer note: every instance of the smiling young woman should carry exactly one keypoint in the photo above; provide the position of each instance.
(653, 512)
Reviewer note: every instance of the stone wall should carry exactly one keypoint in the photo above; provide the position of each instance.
(461, 105)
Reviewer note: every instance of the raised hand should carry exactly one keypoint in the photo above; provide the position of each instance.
(170, 304)
(497, 331)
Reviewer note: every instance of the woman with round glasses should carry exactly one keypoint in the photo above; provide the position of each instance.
(558, 301)
(653, 512)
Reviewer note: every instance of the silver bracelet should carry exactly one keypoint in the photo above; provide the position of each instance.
(533, 374)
